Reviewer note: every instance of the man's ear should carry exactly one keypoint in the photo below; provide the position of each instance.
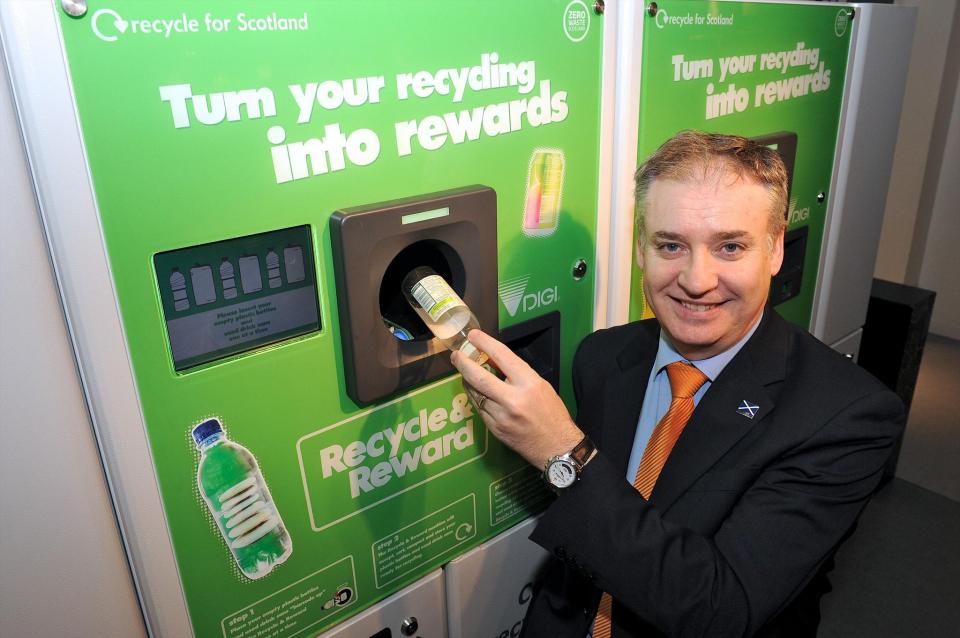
(639, 250)
(776, 255)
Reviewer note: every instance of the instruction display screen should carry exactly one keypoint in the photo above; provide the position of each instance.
(230, 296)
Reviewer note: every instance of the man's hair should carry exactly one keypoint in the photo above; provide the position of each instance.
(694, 155)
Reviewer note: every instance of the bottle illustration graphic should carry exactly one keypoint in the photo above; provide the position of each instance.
(201, 276)
(239, 500)
(293, 262)
(541, 211)
(228, 279)
(250, 279)
(178, 286)
(273, 269)
(442, 310)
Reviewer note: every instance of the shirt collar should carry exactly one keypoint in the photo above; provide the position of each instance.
(711, 367)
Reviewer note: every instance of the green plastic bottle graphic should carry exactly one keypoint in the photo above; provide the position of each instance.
(239, 500)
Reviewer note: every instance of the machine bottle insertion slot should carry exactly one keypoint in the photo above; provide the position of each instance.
(387, 348)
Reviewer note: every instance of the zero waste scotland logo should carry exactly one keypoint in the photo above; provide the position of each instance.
(841, 22)
(576, 21)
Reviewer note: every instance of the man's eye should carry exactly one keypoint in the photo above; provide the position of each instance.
(670, 247)
(731, 248)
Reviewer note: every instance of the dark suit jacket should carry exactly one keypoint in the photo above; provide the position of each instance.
(746, 512)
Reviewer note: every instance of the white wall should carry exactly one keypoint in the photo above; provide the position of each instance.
(927, 58)
(921, 228)
(941, 262)
(63, 571)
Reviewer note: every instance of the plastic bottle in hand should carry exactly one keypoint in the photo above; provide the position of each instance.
(442, 309)
(239, 500)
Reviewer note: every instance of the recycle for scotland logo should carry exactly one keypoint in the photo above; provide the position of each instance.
(101, 27)
(511, 293)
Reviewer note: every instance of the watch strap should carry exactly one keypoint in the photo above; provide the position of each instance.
(583, 452)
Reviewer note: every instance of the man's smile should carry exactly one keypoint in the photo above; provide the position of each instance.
(697, 306)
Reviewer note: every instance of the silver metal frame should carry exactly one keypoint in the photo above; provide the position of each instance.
(627, 96)
(37, 67)
(870, 117)
(607, 176)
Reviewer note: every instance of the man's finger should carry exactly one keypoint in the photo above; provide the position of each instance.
(478, 377)
(475, 395)
(504, 359)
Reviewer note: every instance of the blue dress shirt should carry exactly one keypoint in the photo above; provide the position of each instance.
(657, 398)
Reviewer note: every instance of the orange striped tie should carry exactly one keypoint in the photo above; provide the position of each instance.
(685, 380)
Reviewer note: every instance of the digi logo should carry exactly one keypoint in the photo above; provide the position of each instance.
(515, 298)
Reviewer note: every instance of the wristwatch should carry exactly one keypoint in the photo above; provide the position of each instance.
(564, 470)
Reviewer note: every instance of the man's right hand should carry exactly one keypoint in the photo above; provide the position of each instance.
(522, 410)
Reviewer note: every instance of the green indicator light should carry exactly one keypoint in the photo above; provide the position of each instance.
(413, 218)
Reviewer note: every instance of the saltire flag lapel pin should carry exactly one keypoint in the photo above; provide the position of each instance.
(748, 409)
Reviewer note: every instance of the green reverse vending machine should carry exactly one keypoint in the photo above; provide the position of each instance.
(769, 71)
(233, 194)
(820, 83)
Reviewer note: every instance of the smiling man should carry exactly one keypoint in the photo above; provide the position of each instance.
(719, 454)
(710, 239)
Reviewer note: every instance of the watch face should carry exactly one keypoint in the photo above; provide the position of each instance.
(561, 473)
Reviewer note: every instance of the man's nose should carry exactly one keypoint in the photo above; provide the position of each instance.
(699, 276)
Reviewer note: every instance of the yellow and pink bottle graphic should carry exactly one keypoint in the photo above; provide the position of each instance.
(541, 210)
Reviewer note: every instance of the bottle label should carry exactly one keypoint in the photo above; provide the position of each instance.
(436, 296)
(245, 514)
(473, 352)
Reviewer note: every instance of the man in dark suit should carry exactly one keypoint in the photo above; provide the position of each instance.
(722, 523)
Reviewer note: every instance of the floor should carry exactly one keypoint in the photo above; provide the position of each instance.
(899, 575)
(930, 456)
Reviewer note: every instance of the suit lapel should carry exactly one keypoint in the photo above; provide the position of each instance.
(717, 423)
(623, 395)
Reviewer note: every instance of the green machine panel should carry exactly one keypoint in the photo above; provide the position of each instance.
(773, 72)
(221, 139)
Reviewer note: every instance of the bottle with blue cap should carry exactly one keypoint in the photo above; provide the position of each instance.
(238, 498)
